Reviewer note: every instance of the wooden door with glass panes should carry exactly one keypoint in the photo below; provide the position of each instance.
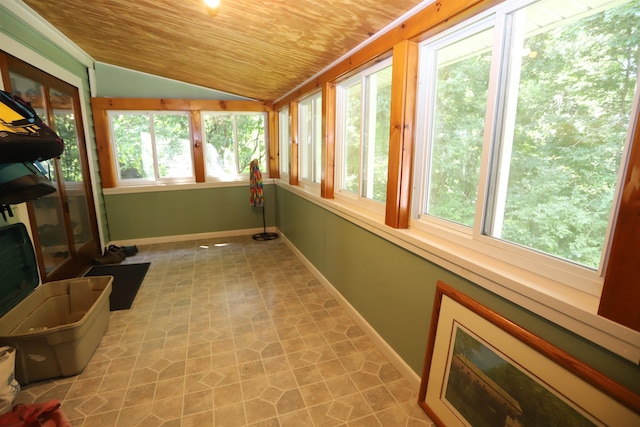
(63, 223)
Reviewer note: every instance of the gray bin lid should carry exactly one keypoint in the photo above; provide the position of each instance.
(18, 268)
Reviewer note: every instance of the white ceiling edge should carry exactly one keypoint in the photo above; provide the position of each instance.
(39, 24)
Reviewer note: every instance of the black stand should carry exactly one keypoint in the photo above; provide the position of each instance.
(264, 235)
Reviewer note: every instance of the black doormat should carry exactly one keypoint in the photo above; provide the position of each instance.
(127, 279)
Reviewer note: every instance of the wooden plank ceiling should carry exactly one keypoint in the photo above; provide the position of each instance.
(253, 48)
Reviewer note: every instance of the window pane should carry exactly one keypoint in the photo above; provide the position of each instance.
(65, 127)
(219, 146)
(305, 147)
(375, 149)
(310, 131)
(458, 121)
(232, 141)
(132, 139)
(352, 135)
(569, 95)
(317, 148)
(64, 118)
(31, 91)
(284, 140)
(173, 146)
(48, 210)
(251, 143)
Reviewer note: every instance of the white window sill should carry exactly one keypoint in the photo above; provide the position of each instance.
(570, 308)
(150, 188)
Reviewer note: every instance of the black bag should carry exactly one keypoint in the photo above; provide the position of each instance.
(24, 181)
(24, 137)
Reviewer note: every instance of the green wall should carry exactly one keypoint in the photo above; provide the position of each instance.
(182, 212)
(394, 289)
(117, 82)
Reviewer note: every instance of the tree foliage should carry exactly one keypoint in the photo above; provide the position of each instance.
(574, 104)
(573, 101)
(460, 110)
(127, 132)
(65, 127)
(366, 136)
(233, 140)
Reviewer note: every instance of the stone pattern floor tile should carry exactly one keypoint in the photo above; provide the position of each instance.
(231, 332)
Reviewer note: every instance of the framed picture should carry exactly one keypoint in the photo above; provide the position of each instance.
(483, 370)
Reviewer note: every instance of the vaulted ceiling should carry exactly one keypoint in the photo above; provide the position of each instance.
(258, 49)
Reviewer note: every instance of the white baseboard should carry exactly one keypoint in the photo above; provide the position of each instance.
(405, 370)
(187, 237)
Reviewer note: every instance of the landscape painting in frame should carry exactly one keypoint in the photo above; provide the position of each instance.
(483, 370)
(487, 390)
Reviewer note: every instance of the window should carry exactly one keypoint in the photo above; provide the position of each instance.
(362, 136)
(232, 141)
(151, 141)
(285, 143)
(151, 146)
(310, 137)
(522, 145)
(457, 69)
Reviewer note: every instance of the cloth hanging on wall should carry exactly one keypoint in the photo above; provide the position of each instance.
(255, 187)
(257, 198)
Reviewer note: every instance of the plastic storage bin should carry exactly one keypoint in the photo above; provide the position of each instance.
(55, 327)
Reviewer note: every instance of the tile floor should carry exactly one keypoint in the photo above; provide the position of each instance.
(233, 332)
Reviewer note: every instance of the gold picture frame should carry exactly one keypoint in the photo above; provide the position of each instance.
(482, 369)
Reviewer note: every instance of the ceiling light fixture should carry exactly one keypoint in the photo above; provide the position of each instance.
(212, 6)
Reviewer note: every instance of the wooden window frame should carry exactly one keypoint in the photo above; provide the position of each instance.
(401, 138)
(309, 98)
(101, 106)
(620, 296)
(327, 178)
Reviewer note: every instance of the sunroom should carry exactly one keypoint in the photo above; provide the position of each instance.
(487, 149)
